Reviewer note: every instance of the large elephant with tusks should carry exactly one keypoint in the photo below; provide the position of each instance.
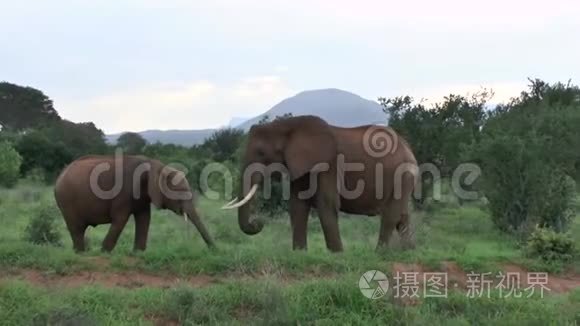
(320, 161)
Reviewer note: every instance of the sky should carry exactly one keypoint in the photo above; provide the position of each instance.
(133, 65)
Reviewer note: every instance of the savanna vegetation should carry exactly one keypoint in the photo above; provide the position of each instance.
(524, 218)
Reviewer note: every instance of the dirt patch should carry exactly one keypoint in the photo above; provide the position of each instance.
(416, 276)
(561, 284)
(160, 321)
(99, 262)
(107, 279)
(104, 263)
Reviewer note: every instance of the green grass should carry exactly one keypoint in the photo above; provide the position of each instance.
(323, 287)
(461, 234)
(321, 302)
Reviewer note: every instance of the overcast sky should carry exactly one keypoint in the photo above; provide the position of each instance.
(136, 65)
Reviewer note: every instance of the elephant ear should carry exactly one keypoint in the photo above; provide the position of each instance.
(155, 183)
(307, 150)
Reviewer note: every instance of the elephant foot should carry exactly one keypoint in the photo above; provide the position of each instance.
(299, 247)
(382, 247)
(106, 249)
(408, 245)
(139, 249)
(79, 250)
(335, 248)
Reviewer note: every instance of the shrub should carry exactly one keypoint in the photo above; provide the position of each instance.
(42, 228)
(522, 184)
(556, 210)
(274, 204)
(224, 143)
(42, 153)
(550, 246)
(215, 178)
(10, 162)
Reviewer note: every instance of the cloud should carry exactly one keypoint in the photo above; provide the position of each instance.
(190, 105)
(343, 17)
(281, 69)
(503, 91)
(219, 65)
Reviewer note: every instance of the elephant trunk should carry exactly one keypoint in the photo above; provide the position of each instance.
(191, 213)
(249, 227)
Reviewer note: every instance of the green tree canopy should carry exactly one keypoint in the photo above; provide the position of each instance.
(24, 107)
(79, 138)
(437, 134)
(10, 162)
(131, 143)
(40, 152)
(528, 153)
(224, 143)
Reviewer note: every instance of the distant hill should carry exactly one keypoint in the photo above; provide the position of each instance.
(236, 121)
(336, 106)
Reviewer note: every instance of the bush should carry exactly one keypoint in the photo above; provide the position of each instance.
(522, 185)
(224, 143)
(550, 246)
(10, 162)
(215, 179)
(41, 153)
(556, 210)
(42, 228)
(275, 205)
(528, 156)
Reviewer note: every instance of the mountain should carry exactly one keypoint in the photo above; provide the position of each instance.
(236, 121)
(338, 107)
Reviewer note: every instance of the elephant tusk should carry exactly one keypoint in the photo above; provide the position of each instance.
(185, 217)
(245, 200)
(230, 203)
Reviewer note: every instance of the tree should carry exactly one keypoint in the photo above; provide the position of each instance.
(266, 118)
(224, 143)
(131, 143)
(79, 138)
(529, 153)
(24, 107)
(438, 134)
(40, 152)
(10, 162)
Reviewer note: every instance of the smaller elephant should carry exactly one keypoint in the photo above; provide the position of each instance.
(94, 190)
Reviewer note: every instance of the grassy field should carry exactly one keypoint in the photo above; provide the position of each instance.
(259, 280)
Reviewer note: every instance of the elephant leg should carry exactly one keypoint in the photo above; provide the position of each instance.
(329, 221)
(76, 227)
(404, 217)
(142, 221)
(388, 224)
(395, 216)
(77, 234)
(119, 220)
(404, 229)
(299, 211)
(328, 215)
